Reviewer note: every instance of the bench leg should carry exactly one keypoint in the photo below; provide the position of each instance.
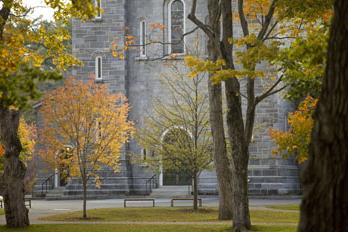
(200, 203)
(153, 203)
(124, 204)
(171, 204)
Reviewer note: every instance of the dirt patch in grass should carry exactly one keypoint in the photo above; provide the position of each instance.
(141, 214)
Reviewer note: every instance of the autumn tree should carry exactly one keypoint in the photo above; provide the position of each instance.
(177, 132)
(295, 141)
(304, 62)
(91, 122)
(325, 204)
(21, 65)
(265, 25)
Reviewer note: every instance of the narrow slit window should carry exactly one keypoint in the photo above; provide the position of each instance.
(98, 67)
(221, 29)
(97, 4)
(176, 26)
(142, 38)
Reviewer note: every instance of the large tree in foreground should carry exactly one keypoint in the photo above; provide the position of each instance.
(89, 121)
(22, 67)
(325, 178)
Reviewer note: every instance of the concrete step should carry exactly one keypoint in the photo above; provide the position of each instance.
(171, 191)
(55, 193)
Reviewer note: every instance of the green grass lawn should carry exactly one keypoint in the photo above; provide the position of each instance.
(171, 215)
(2, 211)
(285, 207)
(144, 228)
(264, 216)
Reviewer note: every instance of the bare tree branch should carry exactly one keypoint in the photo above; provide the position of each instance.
(268, 20)
(166, 43)
(271, 90)
(192, 16)
(279, 37)
(270, 30)
(243, 20)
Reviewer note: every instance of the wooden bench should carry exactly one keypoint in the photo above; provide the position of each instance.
(27, 202)
(185, 199)
(139, 199)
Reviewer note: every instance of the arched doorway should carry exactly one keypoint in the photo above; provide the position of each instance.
(175, 142)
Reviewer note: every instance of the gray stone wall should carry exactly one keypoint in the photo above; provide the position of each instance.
(95, 38)
(145, 73)
(89, 40)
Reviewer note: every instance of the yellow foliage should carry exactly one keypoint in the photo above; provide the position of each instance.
(64, 10)
(88, 120)
(28, 135)
(219, 73)
(296, 140)
(15, 50)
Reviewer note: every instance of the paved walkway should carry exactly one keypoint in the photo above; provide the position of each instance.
(42, 208)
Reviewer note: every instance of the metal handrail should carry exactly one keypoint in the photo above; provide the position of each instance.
(151, 183)
(47, 184)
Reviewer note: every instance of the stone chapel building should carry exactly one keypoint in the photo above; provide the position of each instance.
(138, 77)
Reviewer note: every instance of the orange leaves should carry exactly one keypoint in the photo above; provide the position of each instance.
(87, 119)
(2, 151)
(254, 8)
(217, 69)
(157, 26)
(296, 140)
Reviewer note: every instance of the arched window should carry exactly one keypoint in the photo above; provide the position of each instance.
(176, 26)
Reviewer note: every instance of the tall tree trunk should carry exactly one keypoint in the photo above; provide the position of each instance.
(325, 178)
(84, 183)
(221, 161)
(14, 170)
(236, 132)
(195, 192)
(240, 158)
